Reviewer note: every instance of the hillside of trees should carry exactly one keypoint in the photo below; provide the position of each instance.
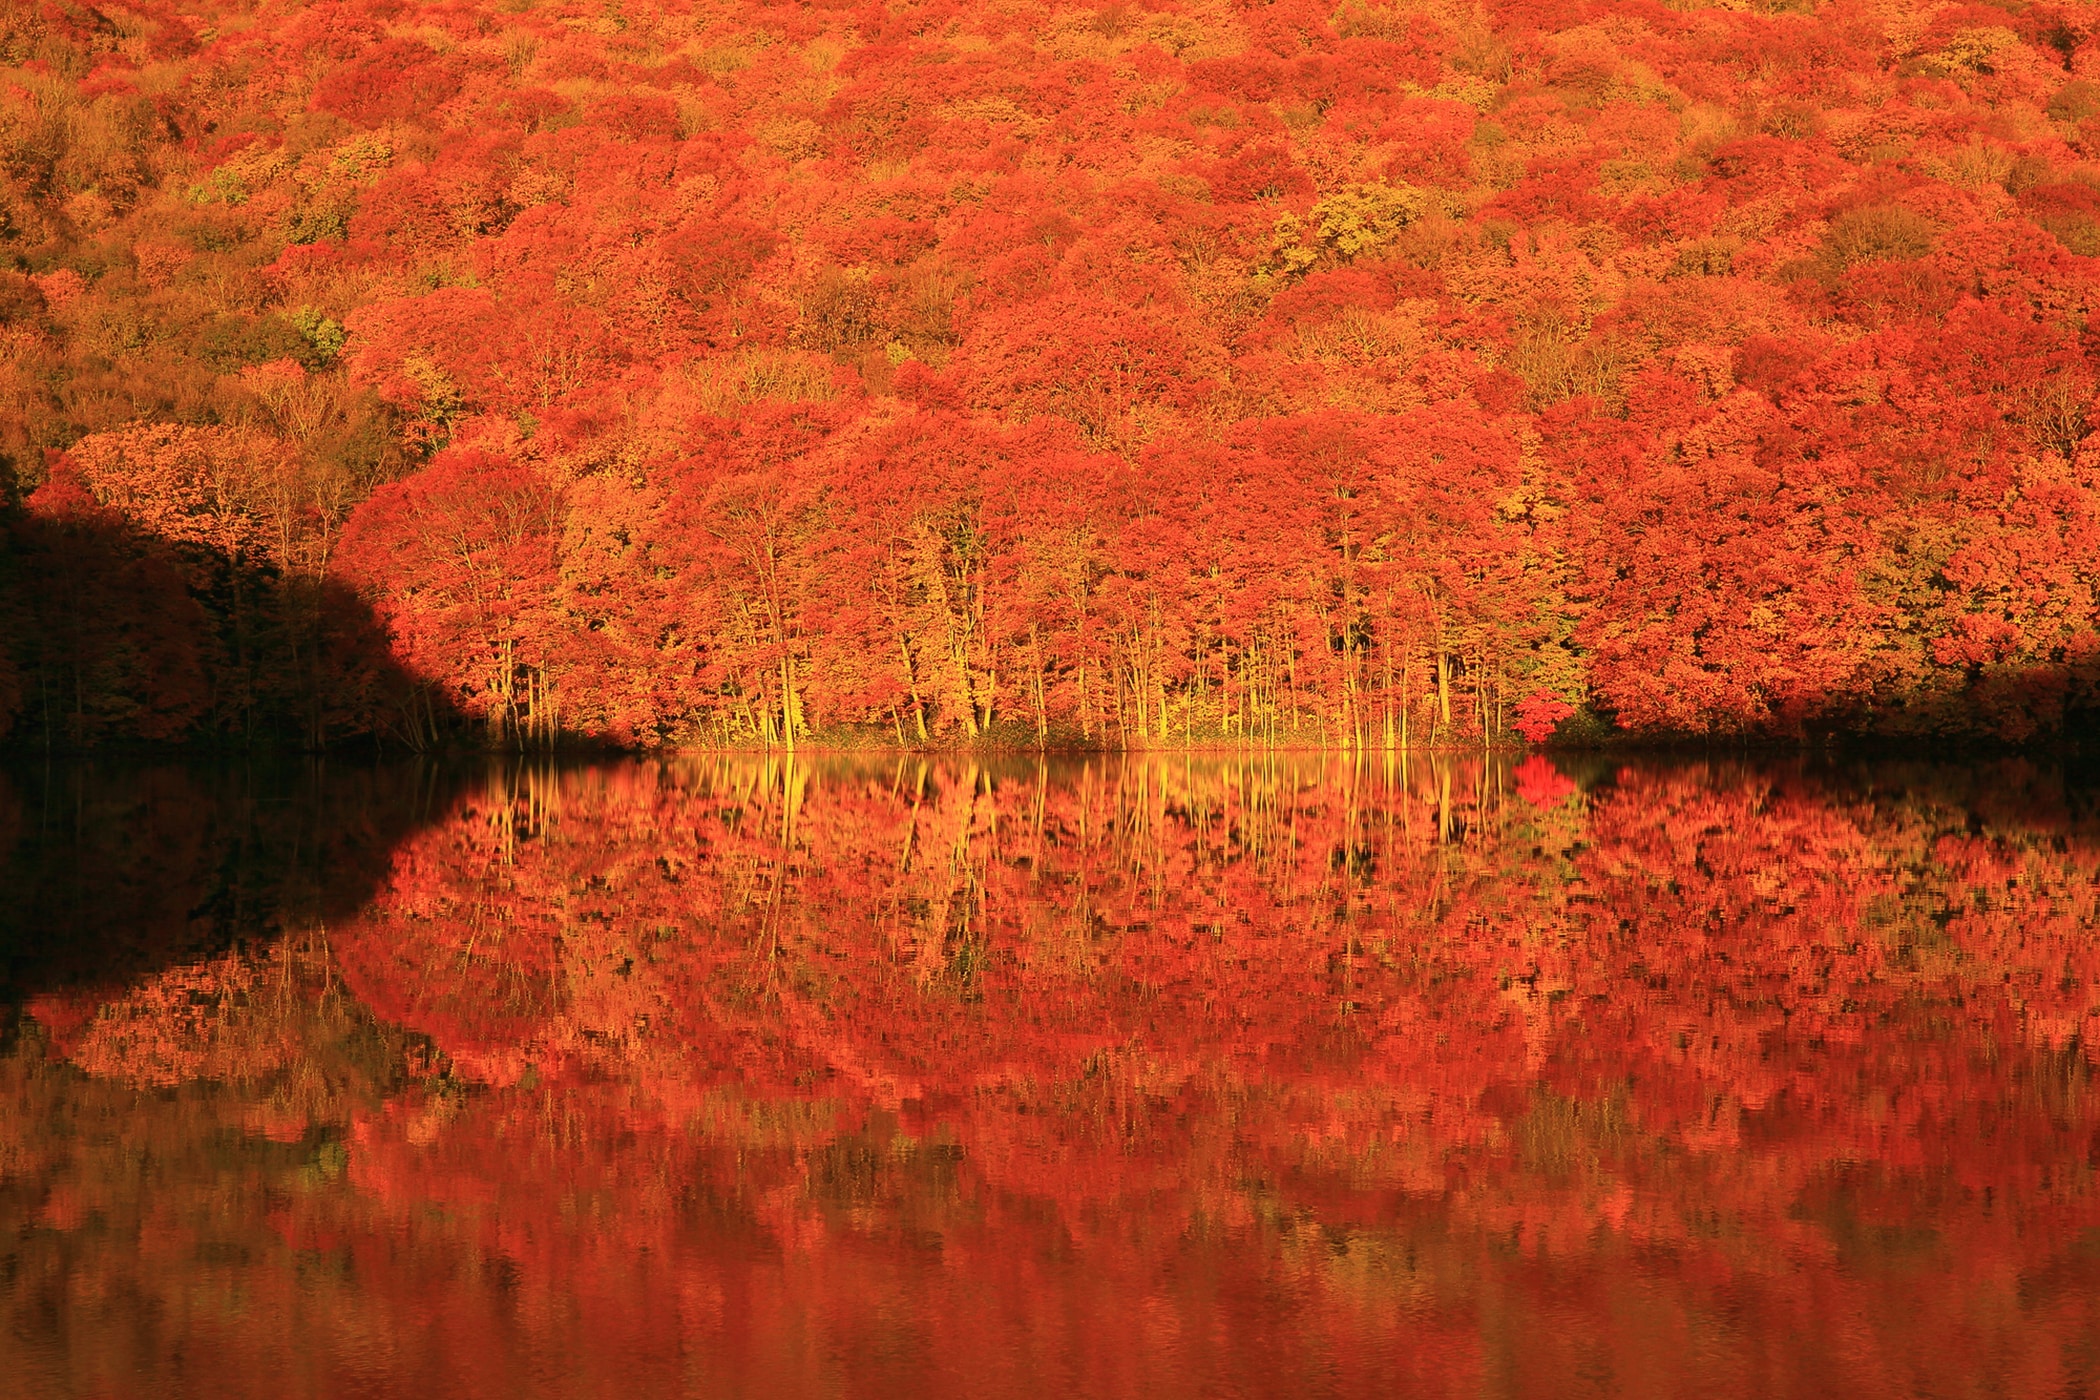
(1375, 374)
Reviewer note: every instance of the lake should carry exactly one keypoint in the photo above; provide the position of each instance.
(1279, 1074)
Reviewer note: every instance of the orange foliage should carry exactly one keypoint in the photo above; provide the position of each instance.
(1367, 374)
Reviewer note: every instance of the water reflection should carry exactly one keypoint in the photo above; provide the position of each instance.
(1184, 1076)
(112, 871)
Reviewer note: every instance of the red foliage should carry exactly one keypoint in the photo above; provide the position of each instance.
(394, 80)
(463, 553)
(1349, 374)
(1538, 716)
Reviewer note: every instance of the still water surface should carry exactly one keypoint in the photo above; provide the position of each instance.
(1292, 1076)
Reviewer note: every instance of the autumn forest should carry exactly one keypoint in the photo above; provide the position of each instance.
(1371, 374)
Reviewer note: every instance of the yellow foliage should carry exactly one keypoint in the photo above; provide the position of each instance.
(1358, 218)
(1354, 220)
(1972, 51)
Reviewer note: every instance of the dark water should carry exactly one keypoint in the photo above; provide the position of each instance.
(1150, 1077)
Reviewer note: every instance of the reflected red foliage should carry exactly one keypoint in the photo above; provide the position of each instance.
(1126, 1077)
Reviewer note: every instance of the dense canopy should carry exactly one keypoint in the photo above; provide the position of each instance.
(1433, 371)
